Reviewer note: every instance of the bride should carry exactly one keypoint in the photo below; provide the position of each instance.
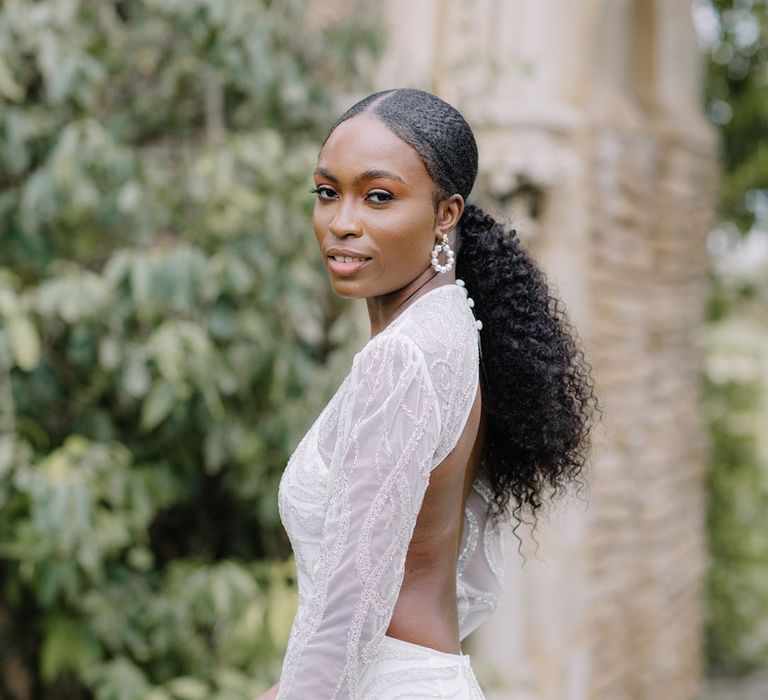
(471, 394)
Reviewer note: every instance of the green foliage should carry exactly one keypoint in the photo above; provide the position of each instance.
(167, 332)
(736, 406)
(737, 100)
(736, 338)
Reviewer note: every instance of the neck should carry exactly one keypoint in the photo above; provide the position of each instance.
(383, 309)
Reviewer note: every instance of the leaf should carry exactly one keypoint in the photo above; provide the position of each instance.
(119, 679)
(67, 646)
(110, 353)
(222, 595)
(136, 378)
(9, 88)
(158, 694)
(25, 342)
(188, 688)
(141, 277)
(215, 448)
(158, 405)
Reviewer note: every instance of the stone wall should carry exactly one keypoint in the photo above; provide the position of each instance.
(592, 141)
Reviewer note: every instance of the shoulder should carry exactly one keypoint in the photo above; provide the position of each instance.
(437, 341)
(389, 351)
(444, 329)
(442, 325)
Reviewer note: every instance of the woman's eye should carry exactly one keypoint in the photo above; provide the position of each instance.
(381, 197)
(323, 192)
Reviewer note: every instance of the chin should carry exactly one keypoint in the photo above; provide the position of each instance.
(345, 292)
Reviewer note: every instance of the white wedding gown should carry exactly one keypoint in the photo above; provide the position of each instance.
(349, 498)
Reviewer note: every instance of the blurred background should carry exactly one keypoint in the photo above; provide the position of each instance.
(168, 332)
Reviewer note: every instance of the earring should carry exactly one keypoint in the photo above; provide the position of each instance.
(449, 255)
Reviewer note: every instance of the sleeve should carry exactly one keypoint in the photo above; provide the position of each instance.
(388, 433)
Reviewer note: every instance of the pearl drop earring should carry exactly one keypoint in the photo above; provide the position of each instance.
(449, 255)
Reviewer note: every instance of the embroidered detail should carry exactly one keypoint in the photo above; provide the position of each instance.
(472, 531)
(400, 684)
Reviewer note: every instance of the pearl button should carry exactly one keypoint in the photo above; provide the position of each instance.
(479, 325)
(460, 282)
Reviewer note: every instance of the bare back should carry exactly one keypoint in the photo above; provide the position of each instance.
(425, 612)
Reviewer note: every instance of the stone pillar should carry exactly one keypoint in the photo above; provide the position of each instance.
(593, 144)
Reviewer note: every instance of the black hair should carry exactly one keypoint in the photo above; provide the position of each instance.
(537, 388)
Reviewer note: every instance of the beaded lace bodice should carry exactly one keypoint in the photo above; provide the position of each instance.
(353, 487)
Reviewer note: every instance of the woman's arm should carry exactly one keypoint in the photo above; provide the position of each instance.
(389, 430)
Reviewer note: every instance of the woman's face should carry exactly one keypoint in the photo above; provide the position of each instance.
(375, 199)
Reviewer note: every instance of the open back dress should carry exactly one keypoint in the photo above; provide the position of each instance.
(349, 498)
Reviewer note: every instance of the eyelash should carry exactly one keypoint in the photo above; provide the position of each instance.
(379, 193)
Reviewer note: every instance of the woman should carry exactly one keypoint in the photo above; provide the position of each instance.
(392, 498)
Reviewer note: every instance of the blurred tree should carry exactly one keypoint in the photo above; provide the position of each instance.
(736, 40)
(734, 33)
(166, 334)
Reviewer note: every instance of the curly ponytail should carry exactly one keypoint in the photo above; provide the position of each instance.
(536, 385)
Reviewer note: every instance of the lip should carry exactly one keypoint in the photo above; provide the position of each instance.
(346, 268)
(346, 252)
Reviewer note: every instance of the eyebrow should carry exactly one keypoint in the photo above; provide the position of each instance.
(367, 175)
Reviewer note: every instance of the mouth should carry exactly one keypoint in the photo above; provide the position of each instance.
(345, 264)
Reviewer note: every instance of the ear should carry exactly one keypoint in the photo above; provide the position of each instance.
(448, 214)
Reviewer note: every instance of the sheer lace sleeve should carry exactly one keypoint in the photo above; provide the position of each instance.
(389, 431)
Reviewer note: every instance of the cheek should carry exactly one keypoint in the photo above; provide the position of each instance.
(406, 236)
(421, 229)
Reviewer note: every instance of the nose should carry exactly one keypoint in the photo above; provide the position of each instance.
(345, 220)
